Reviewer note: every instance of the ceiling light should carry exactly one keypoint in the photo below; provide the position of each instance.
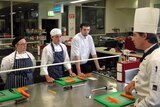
(78, 1)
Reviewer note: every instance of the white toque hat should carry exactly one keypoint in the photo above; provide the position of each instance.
(55, 31)
(146, 20)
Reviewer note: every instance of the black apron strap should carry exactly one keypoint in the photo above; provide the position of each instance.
(53, 50)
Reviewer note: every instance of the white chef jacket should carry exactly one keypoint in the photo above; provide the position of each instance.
(8, 61)
(47, 57)
(147, 81)
(82, 46)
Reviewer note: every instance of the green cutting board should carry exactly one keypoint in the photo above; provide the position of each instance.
(62, 82)
(6, 95)
(123, 101)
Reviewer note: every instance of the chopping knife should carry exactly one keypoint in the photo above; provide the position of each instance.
(73, 86)
(103, 88)
(12, 102)
(97, 89)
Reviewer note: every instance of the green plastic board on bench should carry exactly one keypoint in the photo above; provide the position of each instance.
(9, 94)
(62, 82)
(122, 100)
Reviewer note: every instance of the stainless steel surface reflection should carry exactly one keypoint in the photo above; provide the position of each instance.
(76, 97)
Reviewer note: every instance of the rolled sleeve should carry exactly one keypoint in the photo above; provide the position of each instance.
(93, 50)
(75, 48)
(66, 58)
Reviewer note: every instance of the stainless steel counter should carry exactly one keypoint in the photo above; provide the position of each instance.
(76, 97)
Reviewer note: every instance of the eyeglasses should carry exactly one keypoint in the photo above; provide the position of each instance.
(22, 44)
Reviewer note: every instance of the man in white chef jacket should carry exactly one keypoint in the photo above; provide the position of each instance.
(53, 53)
(147, 82)
(82, 46)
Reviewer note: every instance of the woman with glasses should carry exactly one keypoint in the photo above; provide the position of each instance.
(20, 58)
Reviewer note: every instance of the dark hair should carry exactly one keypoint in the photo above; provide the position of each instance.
(152, 38)
(16, 40)
(84, 24)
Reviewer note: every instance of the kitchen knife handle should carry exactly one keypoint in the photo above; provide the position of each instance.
(22, 100)
(67, 87)
(109, 87)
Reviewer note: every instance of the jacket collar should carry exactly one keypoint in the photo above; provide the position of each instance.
(149, 51)
(83, 37)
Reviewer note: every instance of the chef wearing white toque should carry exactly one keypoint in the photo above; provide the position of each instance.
(147, 81)
(55, 52)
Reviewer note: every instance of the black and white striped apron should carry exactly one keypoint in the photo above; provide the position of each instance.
(20, 78)
(57, 71)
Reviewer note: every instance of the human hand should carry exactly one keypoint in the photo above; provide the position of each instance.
(49, 79)
(100, 69)
(81, 74)
(128, 89)
(72, 74)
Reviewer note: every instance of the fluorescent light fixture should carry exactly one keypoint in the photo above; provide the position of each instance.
(78, 1)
